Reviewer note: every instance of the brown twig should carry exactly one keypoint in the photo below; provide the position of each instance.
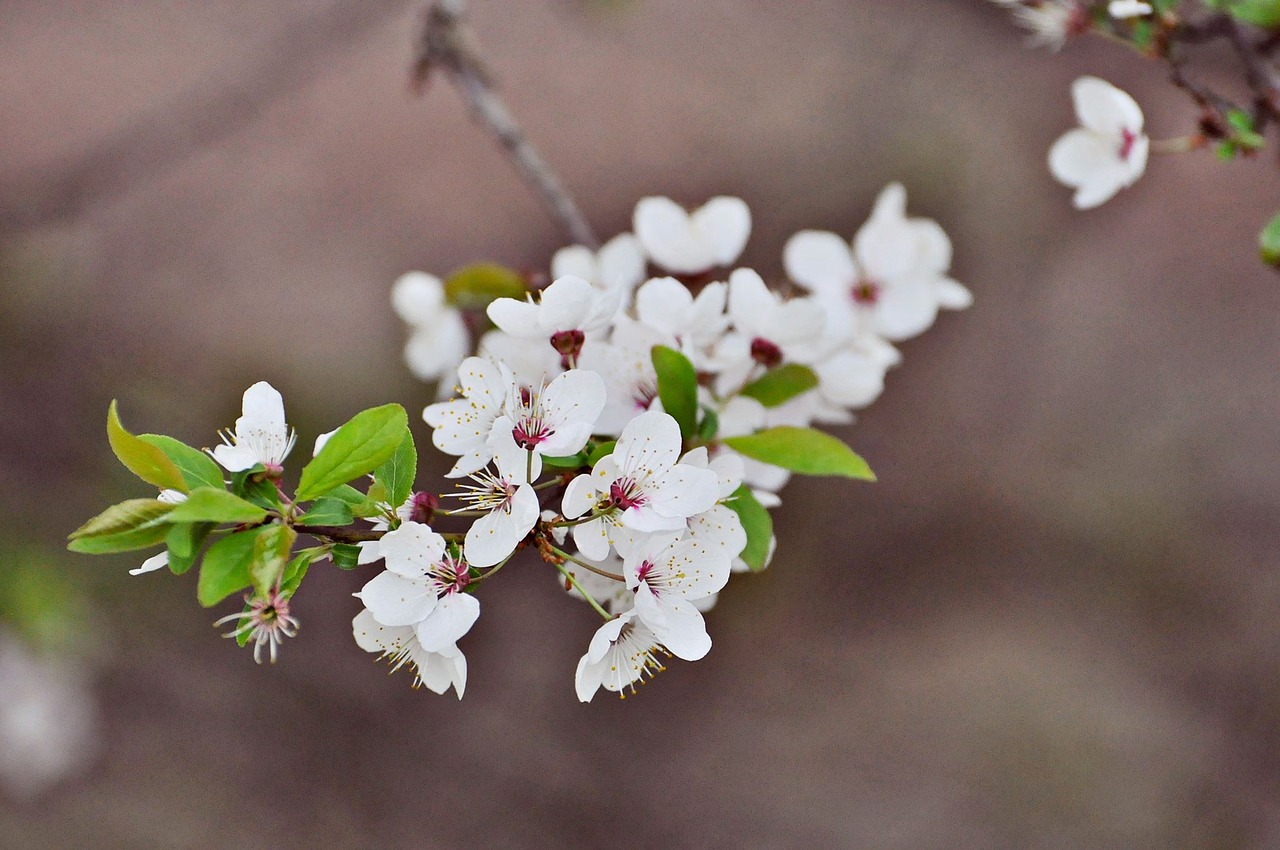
(447, 45)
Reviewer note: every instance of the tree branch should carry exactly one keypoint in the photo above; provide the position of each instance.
(447, 44)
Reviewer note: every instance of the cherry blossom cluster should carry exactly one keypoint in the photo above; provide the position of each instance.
(631, 423)
(571, 369)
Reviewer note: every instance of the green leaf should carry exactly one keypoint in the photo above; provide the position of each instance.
(208, 504)
(1142, 34)
(359, 447)
(297, 569)
(1260, 13)
(197, 468)
(677, 388)
(1226, 149)
(708, 425)
(475, 286)
(253, 486)
(758, 525)
(802, 450)
(125, 541)
(602, 450)
(184, 542)
(141, 458)
(345, 493)
(346, 556)
(398, 473)
(782, 384)
(125, 516)
(564, 462)
(327, 511)
(271, 556)
(225, 569)
(1269, 242)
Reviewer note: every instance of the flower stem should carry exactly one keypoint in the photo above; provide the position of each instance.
(568, 576)
(586, 566)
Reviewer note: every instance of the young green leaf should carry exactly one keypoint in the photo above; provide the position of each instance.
(208, 504)
(802, 450)
(708, 425)
(225, 568)
(141, 458)
(553, 463)
(125, 516)
(1260, 13)
(124, 541)
(601, 451)
(297, 570)
(677, 388)
(346, 556)
(327, 511)
(197, 468)
(398, 473)
(782, 384)
(758, 525)
(253, 487)
(183, 542)
(359, 447)
(1269, 242)
(271, 556)
(473, 287)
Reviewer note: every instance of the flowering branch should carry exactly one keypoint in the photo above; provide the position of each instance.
(446, 43)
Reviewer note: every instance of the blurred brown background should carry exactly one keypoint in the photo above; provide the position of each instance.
(1052, 624)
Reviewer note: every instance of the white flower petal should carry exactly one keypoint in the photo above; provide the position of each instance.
(452, 618)
(820, 261)
(418, 298)
(1103, 108)
(725, 223)
(397, 601)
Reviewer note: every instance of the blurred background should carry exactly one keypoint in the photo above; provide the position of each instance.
(1051, 624)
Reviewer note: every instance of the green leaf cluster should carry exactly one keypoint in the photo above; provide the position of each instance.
(1259, 13)
(242, 531)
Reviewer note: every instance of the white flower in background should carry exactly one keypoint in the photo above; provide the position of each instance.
(321, 441)
(462, 425)
(422, 587)
(742, 415)
(890, 281)
(568, 310)
(1108, 151)
(509, 502)
(625, 363)
(694, 324)
(1128, 9)
(619, 264)
(852, 378)
(439, 671)
(160, 561)
(622, 652)
(260, 436)
(687, 243)
(640, 487)
(1052, 22)
(438, 340)
(667, 578)
(49, 726)
(532, 362)
(719, 528)
(767, 331)
(555, 420)
(615, 596)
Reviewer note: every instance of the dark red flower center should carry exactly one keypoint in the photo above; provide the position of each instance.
(765, 353)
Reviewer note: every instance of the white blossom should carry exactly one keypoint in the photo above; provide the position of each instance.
(619, 264)
(438, 339)
(421, 587)
(557, 419)
(767, 331)
(686, 243)
(667, 577)
(568, 310)
(1108, 151)
(622, 652)
(260, 435)
(1052, 22)
(889, 282)
(692, 324)
(640, 487)
(1128, 9)
(506, 497)
(439, 671)
(625, 363)
(462, 425)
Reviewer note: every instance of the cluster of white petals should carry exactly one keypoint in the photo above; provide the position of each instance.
(562, 444)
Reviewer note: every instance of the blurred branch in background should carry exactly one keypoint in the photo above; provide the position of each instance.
(192, 121)
(447, 44)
